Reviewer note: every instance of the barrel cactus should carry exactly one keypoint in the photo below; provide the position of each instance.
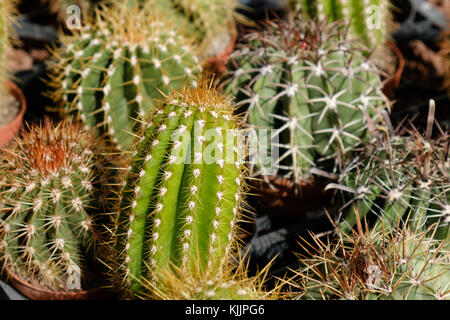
(52, 189)
(403, 265)
(117, 68)
(183, 192)
(400, 177)
(369, 20)
(312, 88)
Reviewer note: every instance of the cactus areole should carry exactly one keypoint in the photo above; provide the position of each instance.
(184, 188)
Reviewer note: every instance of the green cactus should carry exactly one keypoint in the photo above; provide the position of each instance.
(210, 23)
(400, 177)
(184, 188)
(117, 68)
(403, 265)
(51, 191)
(369, 18)
(312, 86)
(225, 284)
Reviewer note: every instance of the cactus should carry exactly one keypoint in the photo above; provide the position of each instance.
(403, 265)
(60, 7)
(400, 177)
(200, 284)
(369, 18)
(117, 68)
(51, 192)
(210, 23)
(6, 19)
(183, 191)
(312, 86)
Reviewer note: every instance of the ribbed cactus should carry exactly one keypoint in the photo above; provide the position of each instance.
(115, 71)
(210, 23)
(312, 87)
(51, 192)
(403, 265)
(225, 284)
(184, 188)
(6, 18)
(369, 19)
(400, 177)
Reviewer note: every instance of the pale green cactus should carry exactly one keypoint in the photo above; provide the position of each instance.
(6, 20)
(369, 19)
(313, 87)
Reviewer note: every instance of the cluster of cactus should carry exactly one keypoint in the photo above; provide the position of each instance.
(403, 265)
(400, 178)
(51, 192)
(368, 20)
(210, 23)
(117, 68)
(182, 196)
(312, 87)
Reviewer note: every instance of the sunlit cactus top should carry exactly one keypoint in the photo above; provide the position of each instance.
(312, 87)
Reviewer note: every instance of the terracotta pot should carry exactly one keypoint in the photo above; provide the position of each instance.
(392, 83)
(8, 132)
(218, 63)
(36, 293)
(284, 197)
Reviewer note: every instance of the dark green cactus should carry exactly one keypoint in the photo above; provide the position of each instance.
(51, 192)
(400, 177)
(184, 188)
(312, 87)
(374, 265)
(117, 68)
(369, 19)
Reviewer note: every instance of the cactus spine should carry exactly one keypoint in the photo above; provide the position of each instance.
(51, 191)
(400, 177)
(117, 68)
(402, 265)
(369, 18)
(182, 194)
(312, 87)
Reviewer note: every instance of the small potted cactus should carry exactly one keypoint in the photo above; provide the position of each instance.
(52, 191)
(115, 70)
(401, 176)
(12, 100)
(182, 196)
(317, 96)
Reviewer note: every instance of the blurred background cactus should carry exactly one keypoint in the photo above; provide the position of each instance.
(117, 68)
(369, 20)
(184, 190)
(52, 191)
(400, 177)
(312, 87)
(374, 265)
(6, 21)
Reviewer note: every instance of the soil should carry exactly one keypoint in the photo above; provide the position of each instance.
(9, 109)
